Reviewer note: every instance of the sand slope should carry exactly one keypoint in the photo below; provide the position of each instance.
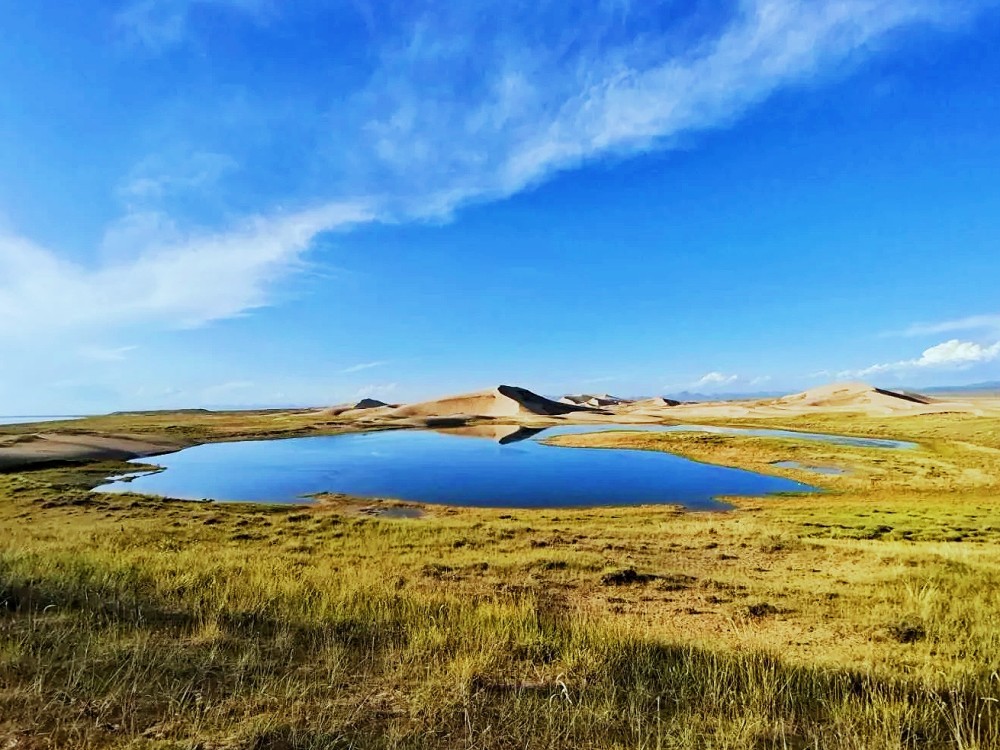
(44, 448)
(502, 401)
(353, 410)
(838, 395)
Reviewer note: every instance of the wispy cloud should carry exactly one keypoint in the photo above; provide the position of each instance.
(505, 112)
(160, 23)
(187, 282)
(985, 323)
(949, 355)
(161, 174)
(106, 354)
(545, 109)
(363, 366)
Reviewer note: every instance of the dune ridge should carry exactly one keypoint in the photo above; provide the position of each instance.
(502, 401)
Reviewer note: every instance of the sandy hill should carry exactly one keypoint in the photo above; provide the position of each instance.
(42, 448)
(354, 410)
(849, 395)
(502, 401)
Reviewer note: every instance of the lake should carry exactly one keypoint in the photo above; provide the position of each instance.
(501, 467)
(32, 419)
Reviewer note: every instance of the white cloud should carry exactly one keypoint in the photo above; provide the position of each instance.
(953, 355)
(715, 378)
(958, 352)
(363, 366)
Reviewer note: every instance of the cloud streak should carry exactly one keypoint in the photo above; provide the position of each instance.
(363, 366)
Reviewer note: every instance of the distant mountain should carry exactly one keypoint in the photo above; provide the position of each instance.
(989, 386)
(691, 396)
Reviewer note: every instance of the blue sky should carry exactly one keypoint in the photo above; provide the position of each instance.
(247, 202)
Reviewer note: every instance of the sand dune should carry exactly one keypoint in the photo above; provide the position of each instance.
(352, 410)
(45, 448)
(838, 395)
(370, 403)
(861, 397)
(502, 401)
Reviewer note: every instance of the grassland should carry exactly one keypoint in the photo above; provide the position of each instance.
(867, 616)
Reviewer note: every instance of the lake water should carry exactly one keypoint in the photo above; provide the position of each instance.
(508, 468)
(831, 470)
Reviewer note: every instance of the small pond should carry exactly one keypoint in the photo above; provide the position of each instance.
(494, 466)
(831, 470)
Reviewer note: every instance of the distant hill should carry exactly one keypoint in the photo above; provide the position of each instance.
(684, 396)
(990, 386)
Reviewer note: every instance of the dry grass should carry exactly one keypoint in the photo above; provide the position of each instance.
(865, 617)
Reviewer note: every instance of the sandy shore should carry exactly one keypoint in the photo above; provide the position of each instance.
(50, 448)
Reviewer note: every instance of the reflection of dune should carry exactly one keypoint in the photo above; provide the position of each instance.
(502, 401)
(500, 433)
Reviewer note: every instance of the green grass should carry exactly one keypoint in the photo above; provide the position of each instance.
(866, 617)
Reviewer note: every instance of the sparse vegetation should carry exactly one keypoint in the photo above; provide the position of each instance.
(865, 617)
